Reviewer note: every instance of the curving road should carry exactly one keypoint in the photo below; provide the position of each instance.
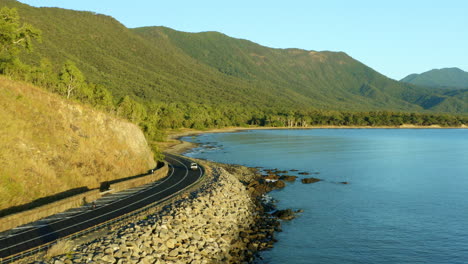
(179, 177)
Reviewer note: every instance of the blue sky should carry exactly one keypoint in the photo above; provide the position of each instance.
(394, 37)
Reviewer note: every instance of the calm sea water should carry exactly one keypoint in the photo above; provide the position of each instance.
(406, 201)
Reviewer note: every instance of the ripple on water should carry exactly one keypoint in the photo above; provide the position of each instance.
(405, 201)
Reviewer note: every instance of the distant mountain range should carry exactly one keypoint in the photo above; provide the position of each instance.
(440, 78)
(158, 64)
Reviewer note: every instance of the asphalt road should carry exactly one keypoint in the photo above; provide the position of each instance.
(179, 177)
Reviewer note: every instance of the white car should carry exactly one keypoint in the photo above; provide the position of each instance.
(193, 166)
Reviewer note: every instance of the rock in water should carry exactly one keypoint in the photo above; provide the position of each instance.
(288, 178)
(279, 184)
(310, 180)
(287, 214)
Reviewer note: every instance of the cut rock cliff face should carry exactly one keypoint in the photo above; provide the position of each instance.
(52, 145)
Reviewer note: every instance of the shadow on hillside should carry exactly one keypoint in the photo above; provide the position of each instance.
(59, 196)
(42, 201)
(105, 185)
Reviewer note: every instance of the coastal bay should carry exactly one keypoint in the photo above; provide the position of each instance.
(404, 201)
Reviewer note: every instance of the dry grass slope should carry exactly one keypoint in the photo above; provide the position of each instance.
(50, 145)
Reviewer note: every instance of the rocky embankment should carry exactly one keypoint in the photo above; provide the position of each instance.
(220, 223)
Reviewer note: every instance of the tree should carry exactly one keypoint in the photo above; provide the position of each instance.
(14, 37)
(124, 107)
(131, 110)
(44, 75)
(171, 117)
(101, 97)
(71, 79)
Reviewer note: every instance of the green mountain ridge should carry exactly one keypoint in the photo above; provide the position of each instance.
(447, 78)
(308, 73)
(158, 64)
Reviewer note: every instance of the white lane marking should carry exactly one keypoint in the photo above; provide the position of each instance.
(27, 227)
(88, 220)
(56, 218)
(85, 210)
(22, 227)
(108, 198)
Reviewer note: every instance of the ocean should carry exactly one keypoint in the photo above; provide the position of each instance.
(406, 200)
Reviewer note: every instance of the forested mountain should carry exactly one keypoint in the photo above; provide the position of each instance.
(330, 80)
(440, 78)
(157, 64)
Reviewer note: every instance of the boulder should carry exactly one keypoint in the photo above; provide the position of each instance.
(108, 251)
(118, 253)
(310, 180)
(272, 176)
(288, 178)
(147, 260)
(98, 256)
(174, 253)
(277, 185)
(171, 243)
(108, 258)
(243, 234)
(287, 214)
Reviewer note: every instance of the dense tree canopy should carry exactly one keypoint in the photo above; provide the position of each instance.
(14, 37)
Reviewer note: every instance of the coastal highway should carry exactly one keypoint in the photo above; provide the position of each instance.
(179, 177)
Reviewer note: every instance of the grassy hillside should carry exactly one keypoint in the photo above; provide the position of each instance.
(50, 145)
(162, 65)
(447, 78)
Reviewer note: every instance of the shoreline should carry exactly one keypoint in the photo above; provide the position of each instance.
(268, 217)
(174, 145)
